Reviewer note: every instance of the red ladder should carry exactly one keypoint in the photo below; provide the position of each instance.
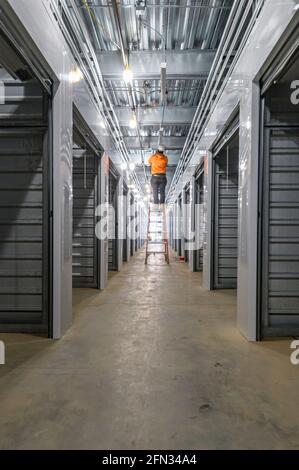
(157, 238)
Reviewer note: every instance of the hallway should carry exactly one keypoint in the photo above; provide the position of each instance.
(152, 362)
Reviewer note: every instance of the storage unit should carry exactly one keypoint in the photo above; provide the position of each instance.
(198, 216)
(113, 215)
(225, 209)
(179, 225)
(25, 200)
(279, 202)
(86, 191)
(132, 225)
(125, 231)
(186, 220)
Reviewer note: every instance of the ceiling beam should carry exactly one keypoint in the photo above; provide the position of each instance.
(171, 143)
(173, 115)
(146, 65)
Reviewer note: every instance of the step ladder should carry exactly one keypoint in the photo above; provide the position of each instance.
(157, 239)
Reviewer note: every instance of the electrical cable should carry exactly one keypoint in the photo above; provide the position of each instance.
(91, 13)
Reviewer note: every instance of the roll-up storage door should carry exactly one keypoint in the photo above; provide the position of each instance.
(125, 225)
(279, 200)
(25, 182)
(132, 224)
(85, 201)
(112, 253)
(179, 241)
(225, 211)
(186, 221)
(177, 230)
(199, 199)
(86, 174)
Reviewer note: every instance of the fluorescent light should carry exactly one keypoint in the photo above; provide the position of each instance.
(76, 75)
(133, 122)
(128, 75)
(124, 166)
(132, 166)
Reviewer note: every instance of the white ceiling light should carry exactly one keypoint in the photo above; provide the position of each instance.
(128, 75)
(132, 166)
(133, 122)
(76, 75)
(124, 166)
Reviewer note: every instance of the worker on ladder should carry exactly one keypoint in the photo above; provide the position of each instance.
(159, 162)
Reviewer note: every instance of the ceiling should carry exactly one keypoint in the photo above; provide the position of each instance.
(144, 34)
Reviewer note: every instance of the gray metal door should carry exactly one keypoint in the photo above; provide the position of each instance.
(125, 225)
(199, 197)
(25, 209)
(186, 222)
(225, 246)
(112, 247)
(85, 201)
(280, 283)
(24, 230)
(279, 196)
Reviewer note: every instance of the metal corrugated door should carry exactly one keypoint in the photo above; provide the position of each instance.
(125, 225)
(24, 230)
(186, 221)
(179, 241)
(226, 173)
(199, 197)
(85, 194)
(112, 247)
(281, 233)
(279, 205)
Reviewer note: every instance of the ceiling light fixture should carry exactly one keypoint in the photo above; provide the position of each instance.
(76, 75)
(128, 75)
(133, 122)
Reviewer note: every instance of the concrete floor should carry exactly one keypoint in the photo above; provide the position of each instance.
(153, 362)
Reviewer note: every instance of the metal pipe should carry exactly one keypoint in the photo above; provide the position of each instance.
(123, 50)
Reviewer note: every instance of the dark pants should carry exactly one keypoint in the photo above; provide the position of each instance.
(159, 183)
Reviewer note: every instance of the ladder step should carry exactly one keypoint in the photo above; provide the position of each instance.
(157, 238)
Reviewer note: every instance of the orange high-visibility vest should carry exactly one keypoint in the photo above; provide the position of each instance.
(159, 163)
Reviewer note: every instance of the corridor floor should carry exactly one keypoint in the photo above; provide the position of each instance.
(153, 362)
